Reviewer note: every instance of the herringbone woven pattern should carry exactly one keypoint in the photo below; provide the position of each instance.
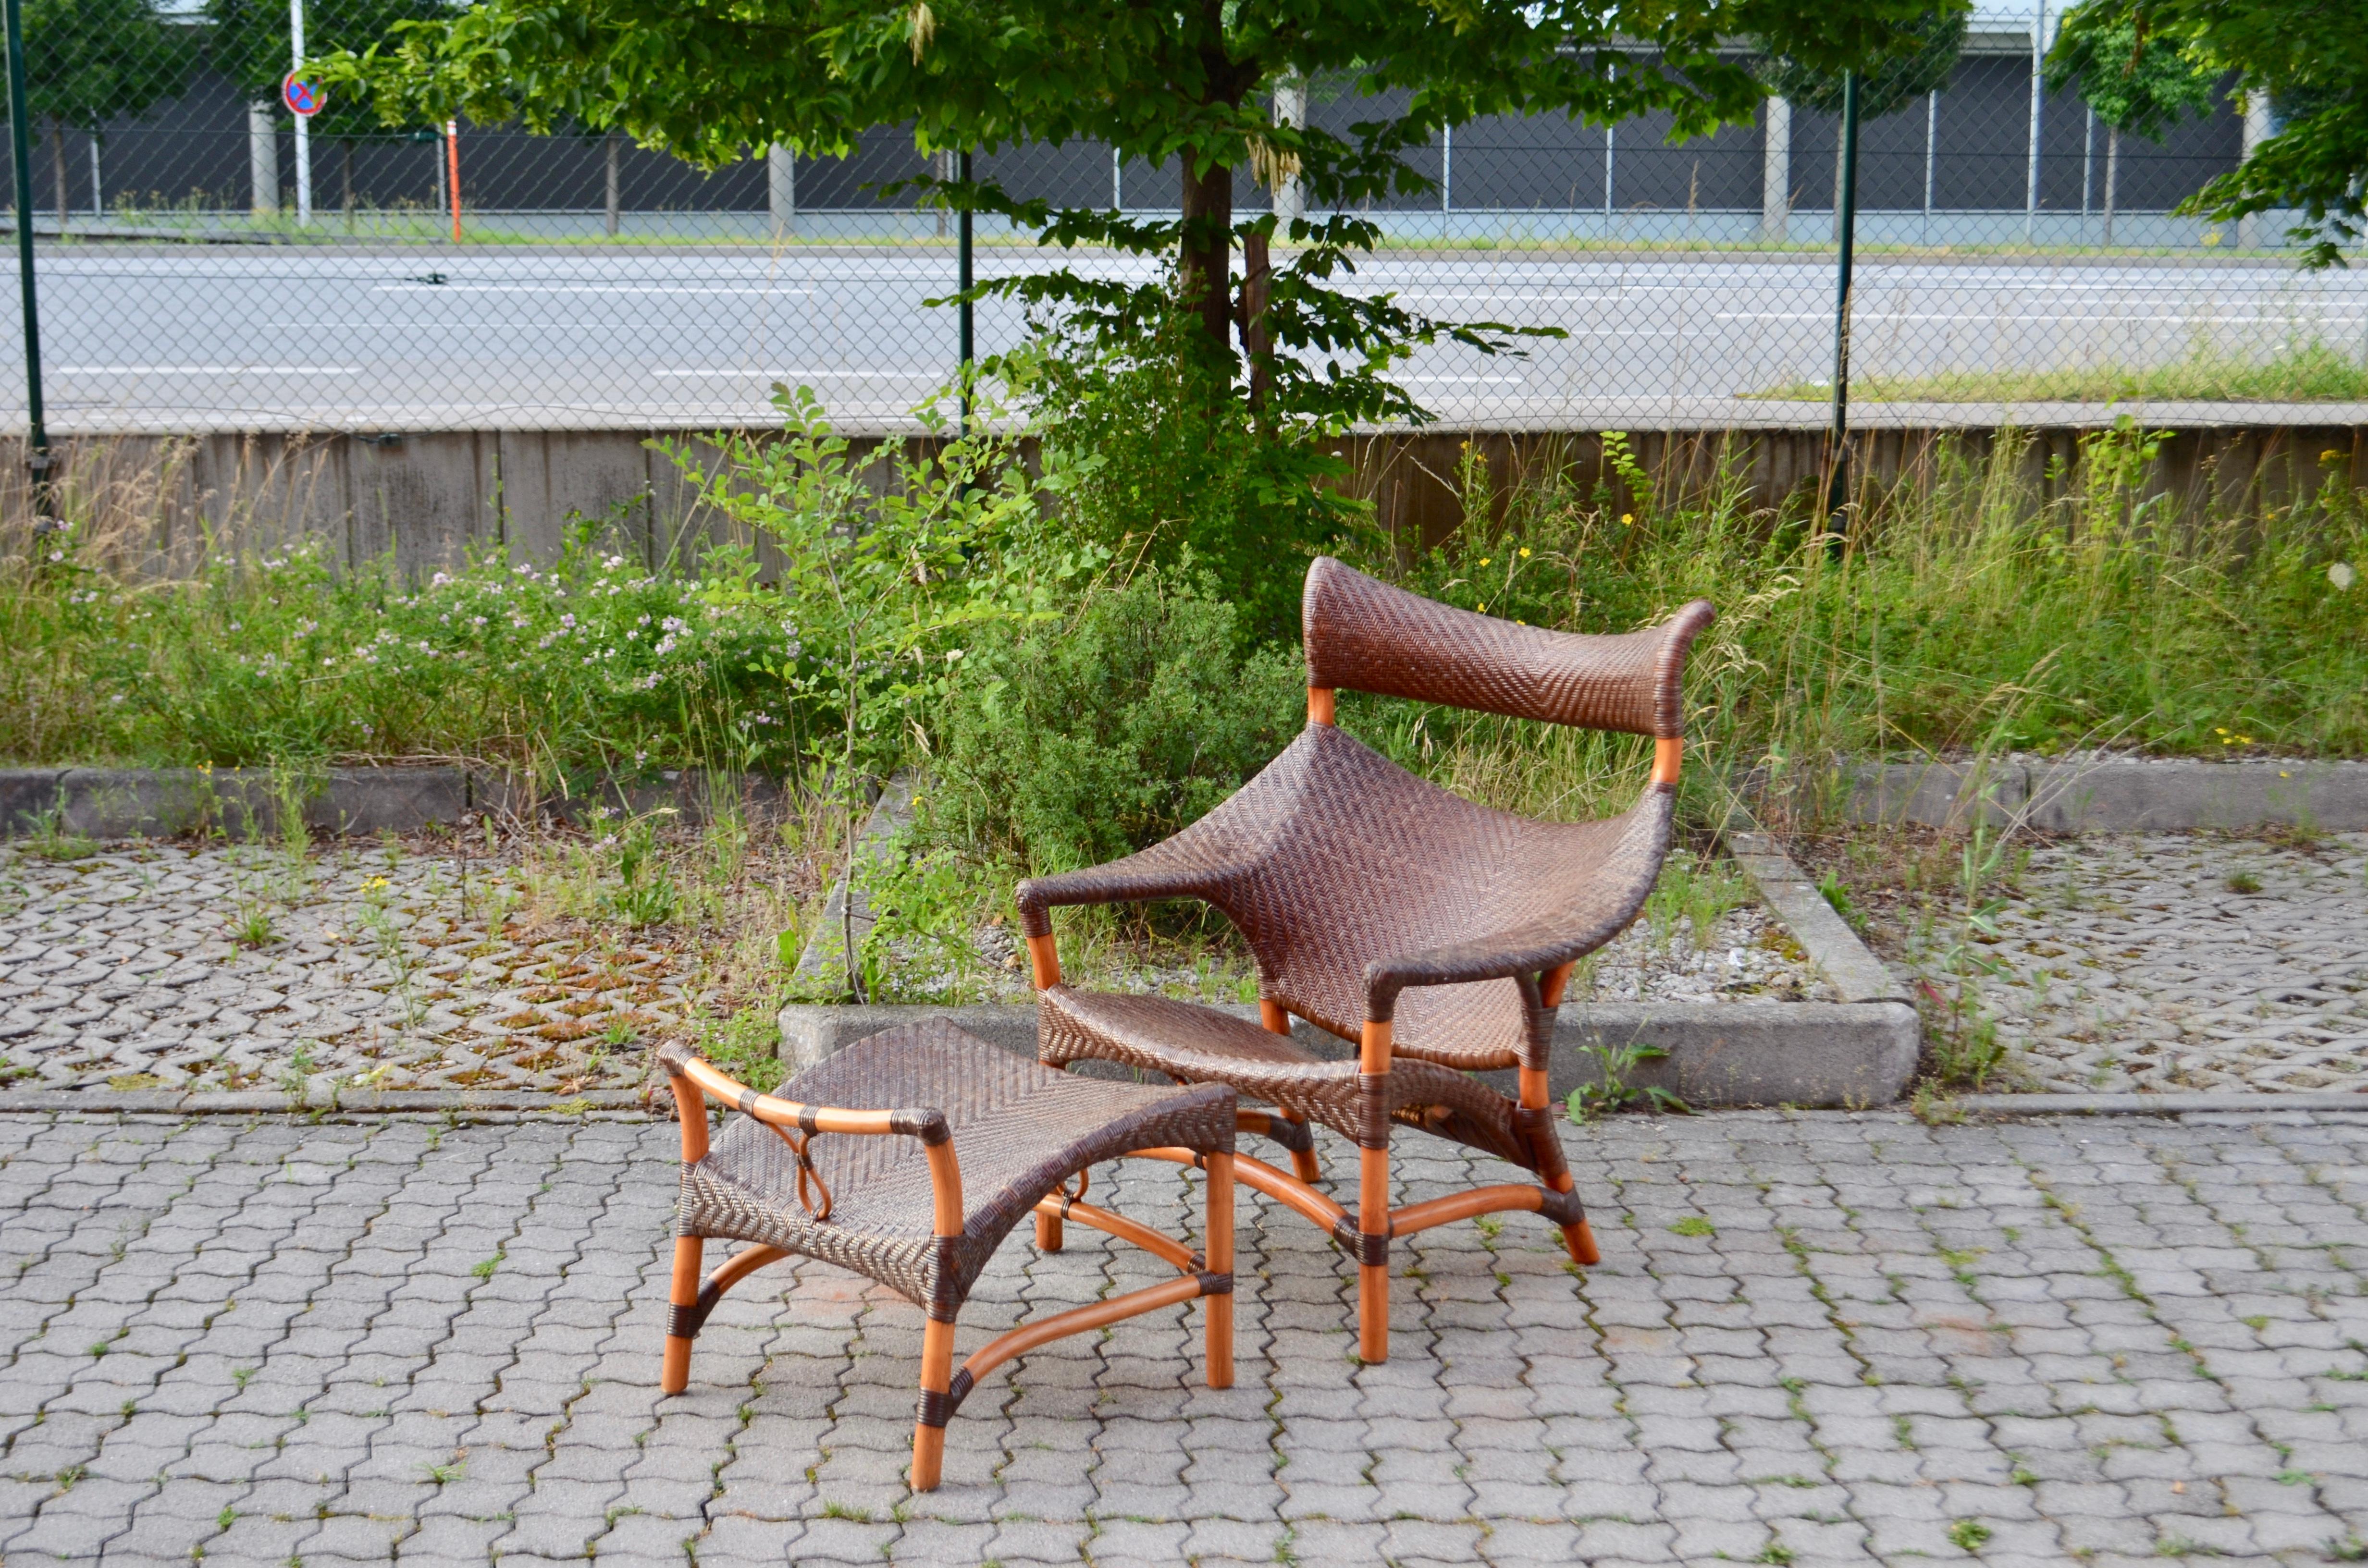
(1364, 635)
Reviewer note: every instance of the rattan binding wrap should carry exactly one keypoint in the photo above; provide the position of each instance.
(1019, 1129)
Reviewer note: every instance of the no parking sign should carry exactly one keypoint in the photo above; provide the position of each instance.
(304, 99)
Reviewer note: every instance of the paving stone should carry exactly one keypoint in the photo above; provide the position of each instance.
(2131, 961)
(1604, 1449)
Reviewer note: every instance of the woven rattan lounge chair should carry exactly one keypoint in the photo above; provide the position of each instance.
(919, 1197)
(1434, 933)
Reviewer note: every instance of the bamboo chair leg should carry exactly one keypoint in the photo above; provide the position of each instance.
(674, 1375)
(1303, 1161)
(937, 1375)
(1218, 1250)
(1049, 1233)
(1579, 1240)
(1373, 1279)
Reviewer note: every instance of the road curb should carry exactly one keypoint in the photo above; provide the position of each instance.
(2126, 1104)
(2109, 794)
(463, 1103)
(151, 802)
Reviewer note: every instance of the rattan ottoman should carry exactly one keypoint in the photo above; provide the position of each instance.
(908, 1157)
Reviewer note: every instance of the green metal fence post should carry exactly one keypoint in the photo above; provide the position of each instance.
(969, 322)
(1845, 236)
(37, 459)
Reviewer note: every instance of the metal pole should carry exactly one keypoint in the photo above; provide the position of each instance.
(1607, 182)
(969, 316)
(37, 461)
(1845, 234)
(452, 173)
(303, 129)
(1931, 155)
(2038, 110)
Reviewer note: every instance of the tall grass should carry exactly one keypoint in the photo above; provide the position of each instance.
(1966, 613)
(2306, 372)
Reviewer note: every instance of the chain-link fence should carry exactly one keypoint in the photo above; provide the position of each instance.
(198, 270)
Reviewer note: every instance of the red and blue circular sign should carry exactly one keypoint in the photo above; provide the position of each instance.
(303, 98)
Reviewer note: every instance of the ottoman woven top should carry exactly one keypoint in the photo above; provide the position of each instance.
(1019, 1131)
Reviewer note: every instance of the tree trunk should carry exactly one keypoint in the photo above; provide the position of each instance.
(1206, 273)
(58, 167)
(346, 177)
(2112, 177)
(1257, 334)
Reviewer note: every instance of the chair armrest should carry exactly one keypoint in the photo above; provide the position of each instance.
(927, 1124)
(693, 1078)
(1166, 869)
(1519, 952)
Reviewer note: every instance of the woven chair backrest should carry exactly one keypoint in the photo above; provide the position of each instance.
(1364, 635)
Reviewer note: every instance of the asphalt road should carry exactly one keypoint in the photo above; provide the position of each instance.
(188, 338)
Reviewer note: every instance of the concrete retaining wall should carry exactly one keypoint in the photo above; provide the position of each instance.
(431, 498)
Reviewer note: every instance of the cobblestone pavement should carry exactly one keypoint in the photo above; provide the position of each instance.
(1814, 1339)
(164, 966)
(2187, 962)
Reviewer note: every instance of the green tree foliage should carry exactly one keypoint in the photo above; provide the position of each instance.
(1185, 86)
(1926, 61)
(2311, 58)
(88, 62)
(2138, 83)
(250, 46)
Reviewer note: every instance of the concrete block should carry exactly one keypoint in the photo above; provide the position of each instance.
(1719, 1053)
(2111, 794)
(1935, 794)
(25, 794)
(2139, 794)
(398, 800)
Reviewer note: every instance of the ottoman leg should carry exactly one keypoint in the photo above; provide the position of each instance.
(683, 1298)
(1048, 1232)
(1219, 1251)
(937, 1377)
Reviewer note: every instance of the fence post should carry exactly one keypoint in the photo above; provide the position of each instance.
(1776, 171)
(1290, 108)
(781, 190)
(37, 453)
(262, 160)
(2257, 131)
(2038, 111)
(1845, 238)
(963, 272)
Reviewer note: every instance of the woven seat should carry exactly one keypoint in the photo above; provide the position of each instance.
(1435, 933)
(919, 1196)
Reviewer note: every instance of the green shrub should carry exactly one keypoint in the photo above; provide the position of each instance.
(596, 664)
(1071, 744)
(1144, 456)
